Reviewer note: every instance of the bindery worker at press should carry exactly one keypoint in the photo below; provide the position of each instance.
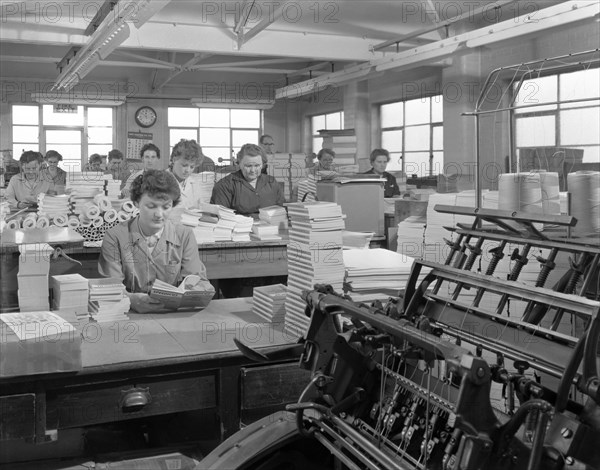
(150, 246)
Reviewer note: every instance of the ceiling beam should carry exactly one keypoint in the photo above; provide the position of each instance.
(98, 18)
(180, 69)
(244, 63)
(151, 60)
(262, 25)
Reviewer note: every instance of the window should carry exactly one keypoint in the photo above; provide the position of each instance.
(331, 121)
(220, 132)
(566, 124)
(75, 132)
(413, 133)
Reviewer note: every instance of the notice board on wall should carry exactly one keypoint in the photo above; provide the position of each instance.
(135, 142)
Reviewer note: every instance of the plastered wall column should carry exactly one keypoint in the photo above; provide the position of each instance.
(357, 117)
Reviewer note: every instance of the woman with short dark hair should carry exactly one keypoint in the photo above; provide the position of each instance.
(150, 246)
(23, 188)
(55, 175)
(150, 156)
(379, 159)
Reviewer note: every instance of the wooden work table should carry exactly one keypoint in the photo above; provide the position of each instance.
(150, 365)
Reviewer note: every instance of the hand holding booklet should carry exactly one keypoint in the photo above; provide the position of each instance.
(193, 293)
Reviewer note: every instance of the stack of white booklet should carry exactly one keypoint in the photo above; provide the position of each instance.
(108, 300)
(70, 294)
(274, 215)
(268, 302)
(53, 205)
(356, 239)
(264, 231)
(34, 266)
(242, 229)
(314, 256)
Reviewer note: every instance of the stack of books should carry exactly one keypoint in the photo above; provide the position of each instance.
(264, 231)
(83, 187)
(274, 215)
(70, 296)
(360, 240)
(52, 206)
(268, 302)
(108, 300)
(34, 266)
(343, 143)
(243, 228)
(112, 188)
(314, 256)
(206, 181)
(307, 188)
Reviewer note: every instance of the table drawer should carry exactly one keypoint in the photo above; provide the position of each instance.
(102, 403)
(17, 417)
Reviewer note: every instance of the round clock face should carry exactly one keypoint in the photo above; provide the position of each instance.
(145, 116)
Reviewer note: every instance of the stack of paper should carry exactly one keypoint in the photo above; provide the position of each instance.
(112, 187)
(411, 235)
(378, 275)
(307, 188)
(108, 301)
(268, 302)
(52, 206)
(83, 187)
(343, 143)
(264, 231)
(242, 229)
(274, 215)
(297, 168)
(206, 182)
(34, 266)
(314, 256)
(204, 233)
(191, 217)
(70, 296)
(356, 239)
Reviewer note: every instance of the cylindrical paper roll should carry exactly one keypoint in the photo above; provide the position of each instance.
(29, 221)
(42, 222)
(520, 192)
(98, 222)
(14, 224)
(123, 216)
(91, 210)
(110, 216)
(550, 193)
(128, 206)
(135, 212)
(60, 220)
(73, 222)
(584, 187)
(102, 202)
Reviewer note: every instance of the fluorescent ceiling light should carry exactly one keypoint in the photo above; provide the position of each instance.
(412, 59)
(56, 97)
(331, 79)
(232, 103)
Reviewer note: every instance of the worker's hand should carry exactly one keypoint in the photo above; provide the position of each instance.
(143, 303)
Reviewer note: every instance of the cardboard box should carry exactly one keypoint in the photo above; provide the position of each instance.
(37, 343)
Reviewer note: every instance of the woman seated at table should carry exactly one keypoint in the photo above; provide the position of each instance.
(247, 190)
(324, 168)
(379, 160)
(95, 163)
(23, 188)
(57, 177)
(150, 155)
(149, 246)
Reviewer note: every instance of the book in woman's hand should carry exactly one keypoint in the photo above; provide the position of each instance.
(193, 293)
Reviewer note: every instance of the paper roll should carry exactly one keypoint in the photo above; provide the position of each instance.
(110, 216)
(550, 192)
(135, 212)
(42, 222)
(98, 222)
(521, 192)
(29, 221)
(13, 224)
(584, 187)
(91, 210)
(60, 220)
(102, 202)
(128, 206)
(123, 216)
(73, 222)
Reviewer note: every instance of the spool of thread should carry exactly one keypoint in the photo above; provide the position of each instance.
(42, 222)
(98, 222)
(123, 216)
(128, 206)
(521, 192)
(110, 216)
(13, 224)
(102, 202)
(550, 192)
(91, 210)
(584, 187)
(60, 220)
(73, 222)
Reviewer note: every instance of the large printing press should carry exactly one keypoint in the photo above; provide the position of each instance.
(465, 371)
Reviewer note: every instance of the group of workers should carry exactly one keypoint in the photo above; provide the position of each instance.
(162, 248)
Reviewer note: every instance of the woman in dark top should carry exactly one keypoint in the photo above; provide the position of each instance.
(379, 160)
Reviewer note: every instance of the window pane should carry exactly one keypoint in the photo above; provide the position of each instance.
(438, 163)
(219, 152)
(100, 135)
(25, 134)
(63, 137)
(591, 154)
(50, 118)
(392, 114)
(317, 144)
(18, 149)
(417, 111)
(395, 163)
(538, 90)
(69, 152)
(243, 137)
(417, 138)
(580, 127)
(245, 118)
(71, 166)
(416, 163)
(214, 137)
(99, 149)
(213, 117)
(333, 121)
(25, 115)
(579, 85)
(100, 117)
(182, 117)
(391, 140)
(437, 108)
(175, 135)
(536, 131)
(438, 138)
(318, 123)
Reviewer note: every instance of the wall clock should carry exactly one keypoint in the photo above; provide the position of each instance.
(145, 116)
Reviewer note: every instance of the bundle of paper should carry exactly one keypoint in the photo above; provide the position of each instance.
(70, 293)
(34, 266)
(268, 302)
(108, 300)
(264, 231)
(193, 293)
(274, 215)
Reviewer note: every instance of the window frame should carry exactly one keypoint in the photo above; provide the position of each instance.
(314, 133)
